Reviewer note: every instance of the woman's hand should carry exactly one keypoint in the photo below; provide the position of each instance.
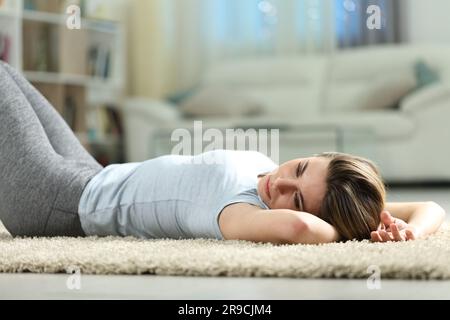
(393, 229)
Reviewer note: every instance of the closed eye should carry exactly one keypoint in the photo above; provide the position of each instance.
(299, 169)
(297, 201)
(296, 195)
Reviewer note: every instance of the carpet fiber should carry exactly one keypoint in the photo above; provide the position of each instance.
(421, 259)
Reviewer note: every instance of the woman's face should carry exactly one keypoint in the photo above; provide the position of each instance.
(298, 185)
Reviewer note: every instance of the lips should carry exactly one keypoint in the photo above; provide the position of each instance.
(268, 187)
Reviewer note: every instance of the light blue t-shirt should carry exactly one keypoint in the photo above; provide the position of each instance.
(179, 197)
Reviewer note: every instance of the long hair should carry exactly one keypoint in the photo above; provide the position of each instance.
(355, 196)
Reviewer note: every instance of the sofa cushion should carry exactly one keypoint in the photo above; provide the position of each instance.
(282, 85)
(283, 70)
(219, 101)
(425, 98)
(386, 92)
(374, 93)
(425, 74)
(287, 100)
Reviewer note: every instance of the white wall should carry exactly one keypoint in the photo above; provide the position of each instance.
(426, 21)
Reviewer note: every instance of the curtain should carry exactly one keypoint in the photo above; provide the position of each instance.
(150, 48)
(174, 41)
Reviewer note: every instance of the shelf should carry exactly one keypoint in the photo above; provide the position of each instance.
(9, 13)
(102, 26)
(67, 67)
(70, 79)
(101, 140)
(44, 17)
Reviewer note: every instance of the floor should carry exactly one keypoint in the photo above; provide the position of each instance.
(31, 286)
(36, 286)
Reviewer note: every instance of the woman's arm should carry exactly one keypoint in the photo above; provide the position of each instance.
(408, 221)
(246, 222)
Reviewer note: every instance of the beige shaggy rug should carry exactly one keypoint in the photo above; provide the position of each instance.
(421, 259)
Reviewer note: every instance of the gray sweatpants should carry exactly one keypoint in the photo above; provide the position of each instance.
(43, 167)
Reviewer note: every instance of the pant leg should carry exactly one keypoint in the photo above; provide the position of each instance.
(39, 189)
(61, 137)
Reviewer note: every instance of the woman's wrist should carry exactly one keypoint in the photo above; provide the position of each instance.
(418, 231)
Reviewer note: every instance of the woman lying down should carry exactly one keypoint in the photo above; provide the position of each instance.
(51, 186)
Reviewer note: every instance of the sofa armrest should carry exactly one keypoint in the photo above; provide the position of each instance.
(430, 95)
(142, 118)
(152, 111)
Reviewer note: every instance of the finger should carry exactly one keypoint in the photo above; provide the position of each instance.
(400, 223)
(385, 236)
(375, 236)
(410, 235)
(386, 218)
(396, 233)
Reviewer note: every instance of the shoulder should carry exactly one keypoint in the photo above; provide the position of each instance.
(250, 155)
(238, 210)
(232, 217)
(250, 160)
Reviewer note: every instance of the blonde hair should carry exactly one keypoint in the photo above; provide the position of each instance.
(355, 196)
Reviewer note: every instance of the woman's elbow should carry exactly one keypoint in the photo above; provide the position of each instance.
(437, 209)
(295, 231)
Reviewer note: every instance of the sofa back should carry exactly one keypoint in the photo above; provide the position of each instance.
(347, 80)
(284, 86)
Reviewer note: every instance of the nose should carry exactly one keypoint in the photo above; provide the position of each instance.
(284, 185)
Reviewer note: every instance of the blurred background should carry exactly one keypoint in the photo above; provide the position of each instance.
(368, 77)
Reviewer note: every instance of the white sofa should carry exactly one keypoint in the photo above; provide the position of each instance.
(314, 93)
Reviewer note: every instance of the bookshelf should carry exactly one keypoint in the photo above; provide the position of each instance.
(81, 72)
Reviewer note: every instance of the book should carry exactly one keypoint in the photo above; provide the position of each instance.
(36, 47)
(99, 61)
(70, 112)
(115, 121)
(52, 6)
(105, 134)
(5, 47)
